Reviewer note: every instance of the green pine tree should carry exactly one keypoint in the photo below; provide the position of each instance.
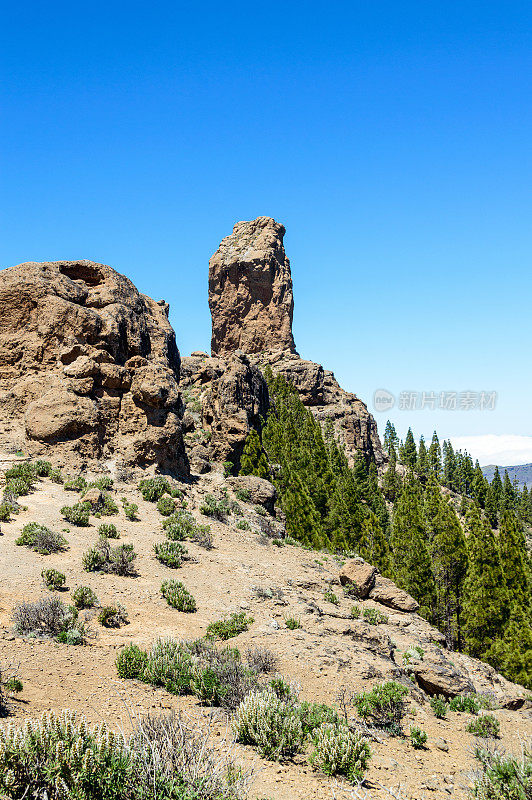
(435, 455)
(253, 460)
(409, 450)
(422, 463)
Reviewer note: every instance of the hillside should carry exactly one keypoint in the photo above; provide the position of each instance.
(521, 472)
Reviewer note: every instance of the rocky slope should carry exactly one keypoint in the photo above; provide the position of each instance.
(89, 368)
(331, 655)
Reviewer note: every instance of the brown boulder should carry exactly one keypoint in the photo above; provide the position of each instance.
(80, 348)
(261, 491)
(436, 674)
(250, 290)
(386, 592)
(358, 576)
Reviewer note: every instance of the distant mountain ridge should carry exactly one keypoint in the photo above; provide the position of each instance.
(523, 473)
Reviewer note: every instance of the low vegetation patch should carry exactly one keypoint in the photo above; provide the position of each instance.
(502, 776)
(485, 725)
(217, 509)
(177, 595)
(418, 737)
(292, 623)
(113, 616)
(152, 489)
(229, 627)
(84, 597)
(50, 617)
(130, 510)
(182, 525)
(340, 751)
(439, 706)
(76, 484)
(53, 579)
(374, 617)
(78, 514)
(10, 685)
(171, 554)
(41, 539)
(165, 505)
(104, 558)
(471, 703)
(384, 705)
(108, 530)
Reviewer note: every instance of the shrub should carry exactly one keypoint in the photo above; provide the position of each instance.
(165, 506)
(330, 597)
(41, 539)
(260, 659)
(439, 707)
(62, 756)
(152, 489)
(243, 494)
(5, 512)
(131, 662)
(243, 525)
(50, 617)
(172, 554)
(77, 514)
(217, 509)
(470, 703)
(109, 508)
(231, 626)
(340, 751)
(417, 653)
(130, 510)
(384, 705)
(104, 484)
(84, 597)
(314, 714)
(178, 596)
(486, 725)
(18, 487)
(77, 484)
(418, 737)
(113, 616)
(292, 623)
(182, 525)
(56, 476)
(42, 469)
(53, 579)
(23, 471)
(355, 612)
(116, 560)
(503, 777)
(9, 685)
(108, 530)
(271, 724)
(260, 510)
(374, 617)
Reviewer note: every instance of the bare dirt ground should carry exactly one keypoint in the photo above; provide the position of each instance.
(323, 656)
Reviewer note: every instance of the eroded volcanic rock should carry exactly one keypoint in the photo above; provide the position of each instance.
(89, 368)
(250, 290)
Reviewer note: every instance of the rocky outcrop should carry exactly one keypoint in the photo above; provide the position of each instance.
(358, 576)
(251, 301)
(250, 290)
(365, 581)
(385, 591)
(259, 491)
(89, 368)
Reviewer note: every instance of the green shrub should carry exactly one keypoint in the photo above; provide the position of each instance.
(53, 579)
(78, 514)
(355, 612)
(84, 597)
(116, 560)
(108, 530)
(165, 506)
(5, 512)
(293, 623)
(56, 476)
(13, 685)
(439, 707)
(243, 494)
(104, 484)
(109, 508)
(417, 653)
(270, 724)
(228, 468)
(384, 705)
(340, 751)
(172, 554)
(260, 510)
(217, 509)
(485, 725)
(418, 737)
(470, 703)
(130, 510)
(330, 597)
(243, 525)
(50, 617)
(131, 662)
(503, 777)
(41, 539)
(113, 616)
(229, 627)
(313, 714)
(23, 471)
(77, 484)
(42, 469)
(18, 487)
(178, 596)
(152, 489)
(182, 525)
(374, 617)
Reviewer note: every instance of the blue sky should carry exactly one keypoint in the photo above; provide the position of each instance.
(391, 139)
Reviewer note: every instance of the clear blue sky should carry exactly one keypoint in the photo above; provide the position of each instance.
(393, 140)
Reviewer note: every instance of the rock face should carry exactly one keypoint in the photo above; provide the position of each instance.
(385, 591)
(251, 302)
(250, 290)
(358, 576)
(89, 368)
(364, 580)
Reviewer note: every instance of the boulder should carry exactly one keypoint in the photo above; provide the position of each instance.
(261, 491)
(93, 496)
(437, 675)
(358, 576)
(386, 592)
(89, 368)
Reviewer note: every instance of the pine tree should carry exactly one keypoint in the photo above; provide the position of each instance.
(479, 488)
(408, 540)
(491, 507)
(496, 487)
(511, 653)
(486, 603)
(391, 440)
(435, 455)
(391, 482)
(409, 450)
(515, 560)
(508, 495)
(253, 460)
(374, 547)
(422, 463)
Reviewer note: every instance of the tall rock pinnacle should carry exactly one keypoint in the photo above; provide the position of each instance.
(250, 290)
